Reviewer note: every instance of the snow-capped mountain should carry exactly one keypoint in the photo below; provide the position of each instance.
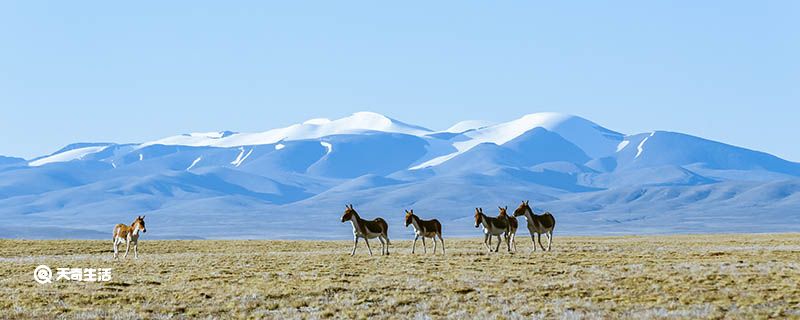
(292, 182)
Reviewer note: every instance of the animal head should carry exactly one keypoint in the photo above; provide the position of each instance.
(409, 215)
(478, 214)
(523, 207)
(348, 212)
(503, 211)
(139, 224)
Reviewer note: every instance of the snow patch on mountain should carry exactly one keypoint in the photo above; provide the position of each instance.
(317, 121)
(241, 157)
(640, 148)
(312, 129)
(193, 163)
(74, 154)
(622, 145)
(328, 146)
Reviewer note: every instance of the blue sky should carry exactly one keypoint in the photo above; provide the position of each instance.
(130, 72)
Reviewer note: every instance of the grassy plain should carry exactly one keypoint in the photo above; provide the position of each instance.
(687, 276)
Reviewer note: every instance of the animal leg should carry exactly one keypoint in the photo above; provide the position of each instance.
(515, 242)
(136, 250)
(116, 250)
(434, 245)
(508, 242)
(533, 239)
(442, 240)
(487, 241)
(386, 237)
(540, 242)
(127, 246)
(414, 247)
(549, 240)
(499, 242)
(383, 245)
(424, 246)
(368, 248)
(355, 242)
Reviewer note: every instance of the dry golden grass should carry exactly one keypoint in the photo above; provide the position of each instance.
(699, 276)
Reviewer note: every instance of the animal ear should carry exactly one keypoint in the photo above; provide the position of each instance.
(506, 208)
(412, 211)
(406, 211)
(142, 217)
(526, 202)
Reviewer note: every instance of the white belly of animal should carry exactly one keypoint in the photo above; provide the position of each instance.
(369, 235)
(493, 232)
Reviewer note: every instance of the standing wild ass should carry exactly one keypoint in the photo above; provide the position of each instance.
(537, 224)
(367, 229)
(425, 229)
(513, 225)
(493, 226)
(124, 233)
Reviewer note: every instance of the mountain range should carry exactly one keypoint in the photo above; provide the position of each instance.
(293, 182)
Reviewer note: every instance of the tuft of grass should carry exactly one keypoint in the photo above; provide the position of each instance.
(688, 276)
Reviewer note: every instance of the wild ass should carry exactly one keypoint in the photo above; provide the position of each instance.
(513, 224)
(493, 226)
(129, 235)
(537, 224)
(425, 229)
(367, 229)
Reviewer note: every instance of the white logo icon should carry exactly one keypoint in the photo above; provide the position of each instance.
(42, 274)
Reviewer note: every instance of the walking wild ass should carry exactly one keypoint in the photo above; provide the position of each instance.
(367, 229)
(537, 224)
(129, 235)
(493, 226)
(425, 229)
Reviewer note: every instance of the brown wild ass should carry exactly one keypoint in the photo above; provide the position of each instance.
(513, 224)
(367, 229)
(425, 229)
(129, 235)
(493, 226)
(537, 224)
